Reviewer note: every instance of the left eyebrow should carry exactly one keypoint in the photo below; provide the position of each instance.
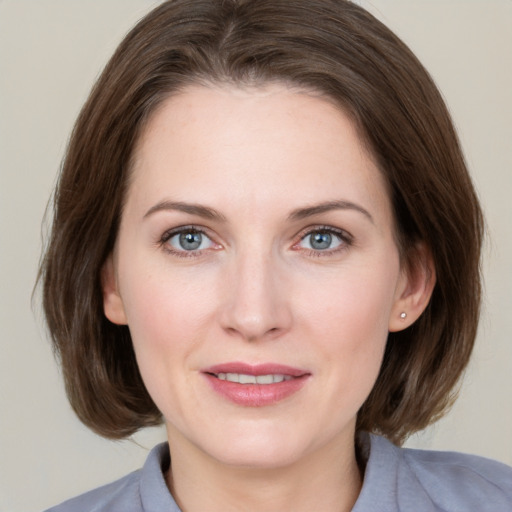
(190, 208)
(309, 211)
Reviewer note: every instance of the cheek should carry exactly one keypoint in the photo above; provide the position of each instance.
(165, 333)
(167, 318)
(159, 300)
(349, 320)
(355, 301)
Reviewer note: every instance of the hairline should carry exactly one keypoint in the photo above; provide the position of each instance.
(225, 83)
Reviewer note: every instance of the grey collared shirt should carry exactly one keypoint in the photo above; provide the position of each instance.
(396, 480)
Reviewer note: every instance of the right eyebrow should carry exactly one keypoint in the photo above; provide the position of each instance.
(303, 213)
(191, 208)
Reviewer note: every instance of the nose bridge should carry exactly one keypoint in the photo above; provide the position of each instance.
(257, 303)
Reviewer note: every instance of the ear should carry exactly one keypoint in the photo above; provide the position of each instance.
(415, 286)
(112, 303)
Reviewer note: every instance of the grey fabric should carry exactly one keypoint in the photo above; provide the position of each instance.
(143, 490)
(405, 480)
(396, 480)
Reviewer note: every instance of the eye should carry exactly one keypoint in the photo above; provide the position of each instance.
(320, 241)
(324, 240)
(185, 240)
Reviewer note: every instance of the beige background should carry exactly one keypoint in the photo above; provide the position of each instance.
(50, 53)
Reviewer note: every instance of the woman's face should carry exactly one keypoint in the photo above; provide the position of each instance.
(257, 270)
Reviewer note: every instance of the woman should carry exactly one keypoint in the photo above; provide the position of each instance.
(265, 236)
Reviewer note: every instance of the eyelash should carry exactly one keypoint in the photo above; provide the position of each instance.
(178, 231)
(345, 238)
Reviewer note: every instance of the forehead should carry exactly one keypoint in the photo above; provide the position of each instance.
(256, 144)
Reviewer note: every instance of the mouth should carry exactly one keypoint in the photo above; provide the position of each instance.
(255, 385)
(243, 378)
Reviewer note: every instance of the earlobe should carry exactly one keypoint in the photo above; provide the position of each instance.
(414, 289)
(112, 303)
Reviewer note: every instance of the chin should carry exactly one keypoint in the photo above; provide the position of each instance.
(262, 455)
(253, 446)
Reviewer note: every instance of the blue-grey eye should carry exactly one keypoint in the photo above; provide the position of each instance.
(321, 240)
(189, 240)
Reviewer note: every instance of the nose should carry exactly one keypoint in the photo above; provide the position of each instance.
(257, 301)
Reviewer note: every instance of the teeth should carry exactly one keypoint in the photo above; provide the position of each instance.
(241, 378)
(264, 379)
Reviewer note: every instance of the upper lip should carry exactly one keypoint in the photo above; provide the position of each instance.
(256, 369)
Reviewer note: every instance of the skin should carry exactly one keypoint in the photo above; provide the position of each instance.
(258, 291)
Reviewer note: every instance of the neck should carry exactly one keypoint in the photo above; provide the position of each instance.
(328, 479)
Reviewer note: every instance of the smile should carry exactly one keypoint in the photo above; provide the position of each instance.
(242, 378)
(255, 385)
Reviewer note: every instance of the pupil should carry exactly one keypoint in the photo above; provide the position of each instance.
(190, 241)
(321, 240)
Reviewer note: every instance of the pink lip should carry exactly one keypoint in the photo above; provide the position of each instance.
(256, 395)
(256, 369)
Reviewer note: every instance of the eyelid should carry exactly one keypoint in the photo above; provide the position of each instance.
(170, 233)
(346, 238)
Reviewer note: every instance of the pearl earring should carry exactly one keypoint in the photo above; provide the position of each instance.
(403, 315)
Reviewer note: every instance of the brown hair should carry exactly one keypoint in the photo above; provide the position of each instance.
(331, 46)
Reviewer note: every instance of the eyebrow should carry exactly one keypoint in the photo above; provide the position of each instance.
(317, 209)
(191, 208)
(298, 214)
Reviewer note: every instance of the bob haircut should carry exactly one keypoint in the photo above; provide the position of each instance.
(332, 47)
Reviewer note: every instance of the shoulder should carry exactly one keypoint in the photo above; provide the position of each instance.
(140, 491)
(432, 481)
(123, 494)
(460, 472)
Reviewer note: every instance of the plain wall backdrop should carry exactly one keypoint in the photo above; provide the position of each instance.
(51, 51)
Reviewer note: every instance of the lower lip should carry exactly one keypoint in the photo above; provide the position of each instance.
(256, 395)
